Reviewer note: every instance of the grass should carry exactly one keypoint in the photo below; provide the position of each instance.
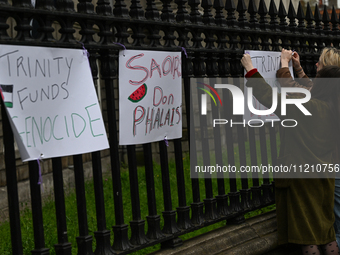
(71, 212)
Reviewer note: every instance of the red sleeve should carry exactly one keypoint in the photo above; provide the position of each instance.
(251, 73)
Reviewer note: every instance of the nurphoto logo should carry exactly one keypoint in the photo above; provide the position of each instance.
(239, 104)
(204, 97)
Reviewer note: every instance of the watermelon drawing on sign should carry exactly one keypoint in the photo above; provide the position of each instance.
(138, 94)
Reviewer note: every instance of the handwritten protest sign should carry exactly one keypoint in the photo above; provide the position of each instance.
(267, 64)
(51, 101)
(150, 98)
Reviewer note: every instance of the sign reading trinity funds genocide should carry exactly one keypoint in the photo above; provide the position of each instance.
(267, 64)
(51, 101)
(150, 98)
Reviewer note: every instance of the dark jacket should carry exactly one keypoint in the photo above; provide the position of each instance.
(304, 205)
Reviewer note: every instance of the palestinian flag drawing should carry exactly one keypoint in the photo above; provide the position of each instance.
(7, 94)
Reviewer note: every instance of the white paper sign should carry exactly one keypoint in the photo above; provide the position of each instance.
(51, 101)
(267, 64)
(150, 96)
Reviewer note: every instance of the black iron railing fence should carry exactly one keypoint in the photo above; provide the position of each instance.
(214, 44)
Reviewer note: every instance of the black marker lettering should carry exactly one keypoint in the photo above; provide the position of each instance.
(58, 63)
(19, 63)
(21, 101)
(69, 69)
(8, 62)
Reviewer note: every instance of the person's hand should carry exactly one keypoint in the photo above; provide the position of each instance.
(296, 60)
(286, 56)
(246, 62)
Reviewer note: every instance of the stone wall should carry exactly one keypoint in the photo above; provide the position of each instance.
(256, 236)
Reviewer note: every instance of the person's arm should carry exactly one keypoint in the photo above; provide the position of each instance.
(299, 72)
(286, 56)
(297, 66)
(283, 74)
(262, 91)
(286, 80)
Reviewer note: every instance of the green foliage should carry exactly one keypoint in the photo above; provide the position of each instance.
(49, 218)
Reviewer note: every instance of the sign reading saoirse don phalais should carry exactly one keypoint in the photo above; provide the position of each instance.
(51, 101)
(267, 64)
(150, 98)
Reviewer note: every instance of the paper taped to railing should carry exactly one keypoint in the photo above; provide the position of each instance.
(150, 96)
(267, 64)
(51, 101)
